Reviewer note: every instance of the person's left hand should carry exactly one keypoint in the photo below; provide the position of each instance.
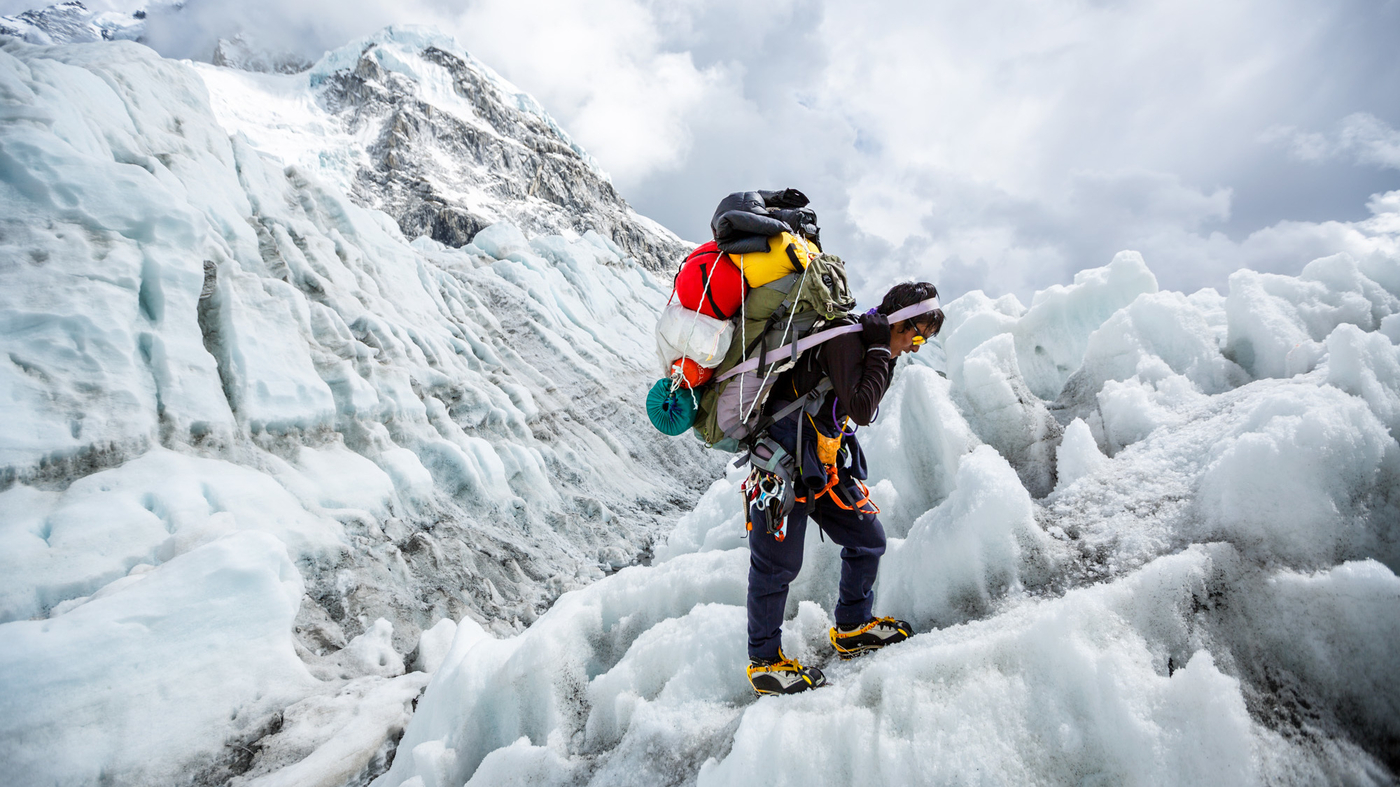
(875, 328)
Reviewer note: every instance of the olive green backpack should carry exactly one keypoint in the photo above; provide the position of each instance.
(775, 314)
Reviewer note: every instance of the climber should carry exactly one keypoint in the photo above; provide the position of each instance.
(828, 489)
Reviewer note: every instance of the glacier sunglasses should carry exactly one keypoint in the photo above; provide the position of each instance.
(920, 338)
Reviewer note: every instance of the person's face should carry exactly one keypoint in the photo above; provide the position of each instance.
(908, 337)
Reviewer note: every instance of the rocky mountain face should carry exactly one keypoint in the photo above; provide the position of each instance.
(421, 163)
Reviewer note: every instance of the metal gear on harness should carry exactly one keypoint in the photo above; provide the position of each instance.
(767, 492)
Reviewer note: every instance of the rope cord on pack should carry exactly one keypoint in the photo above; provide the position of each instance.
(677, 378)
(787, 331)
(807, 343)
(743, 319)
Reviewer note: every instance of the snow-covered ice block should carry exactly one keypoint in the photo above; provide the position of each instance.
(679, 662)
(1158, 334)
(1132, 409)
(1367, 365)
(434, 645)
(59, 546)
(1052, 336)
(915, 446)
(1278, 322)
(715, 523)
(371, 653)
(411, 479)
(1293, 473)
(501, 240)
(1004, 412)
(335, 739)
(1077, 456)
(195, 653)
(972, 319)
(275, 383)
(1334, 632)
(340, 478)
(959, 559)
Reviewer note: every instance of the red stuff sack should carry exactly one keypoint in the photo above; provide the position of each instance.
(727, 288)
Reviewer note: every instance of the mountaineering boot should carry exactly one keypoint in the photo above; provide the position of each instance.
(871, 635)
(783, 676)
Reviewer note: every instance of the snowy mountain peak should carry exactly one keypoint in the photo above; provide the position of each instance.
(407, 122)
(72, 22)
(238, 52)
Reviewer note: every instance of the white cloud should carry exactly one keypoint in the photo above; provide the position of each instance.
(602, 69)
(1361, 137)
(994, 145)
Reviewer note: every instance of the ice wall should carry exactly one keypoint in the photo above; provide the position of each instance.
(249, 426)
(1134, 553)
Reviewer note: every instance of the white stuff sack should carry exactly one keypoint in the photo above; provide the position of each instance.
(682, 333)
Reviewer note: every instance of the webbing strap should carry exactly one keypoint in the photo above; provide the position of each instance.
(709, 293)
(792, 407)
(808, 342)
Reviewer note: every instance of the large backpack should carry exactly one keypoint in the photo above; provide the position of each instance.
(774, 315)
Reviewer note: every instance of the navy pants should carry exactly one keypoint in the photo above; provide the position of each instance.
(773, 565)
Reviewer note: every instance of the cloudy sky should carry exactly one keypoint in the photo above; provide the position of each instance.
(1000, 145)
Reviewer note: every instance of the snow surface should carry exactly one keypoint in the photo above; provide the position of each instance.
(279, 486)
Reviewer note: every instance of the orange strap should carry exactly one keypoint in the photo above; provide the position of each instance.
(830, 491)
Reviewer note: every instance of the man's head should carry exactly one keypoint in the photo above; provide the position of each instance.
(908, 335)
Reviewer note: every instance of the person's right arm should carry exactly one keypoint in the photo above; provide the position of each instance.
(859, 374)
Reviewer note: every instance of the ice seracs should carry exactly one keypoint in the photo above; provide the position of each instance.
(1202, 590)
(216, 364)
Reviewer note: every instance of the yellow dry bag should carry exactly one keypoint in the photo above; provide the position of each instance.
(786, 254)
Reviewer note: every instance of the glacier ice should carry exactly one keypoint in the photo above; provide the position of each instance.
(279, 484)
(178, 659)
(204, 344)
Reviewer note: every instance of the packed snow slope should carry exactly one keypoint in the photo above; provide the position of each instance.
(262, 452)
(1144, 538)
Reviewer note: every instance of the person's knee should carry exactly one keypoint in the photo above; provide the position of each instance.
(865, 542)
(777, 569)
(876, 540)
